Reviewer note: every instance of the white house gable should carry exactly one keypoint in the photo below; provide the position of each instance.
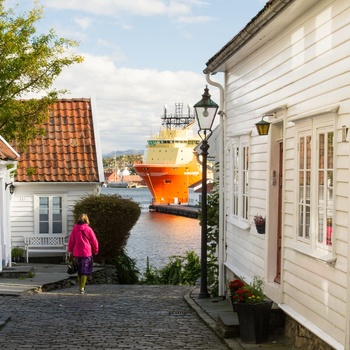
(55, 172)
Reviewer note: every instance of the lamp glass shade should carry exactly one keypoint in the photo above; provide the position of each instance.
(263, 127)
(205, 111)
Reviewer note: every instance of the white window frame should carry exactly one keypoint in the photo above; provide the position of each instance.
(308, 242)
(37, 214)
(239, 193)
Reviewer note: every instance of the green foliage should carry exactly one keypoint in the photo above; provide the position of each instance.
(29, 64)
(30, 171)
(151, 276)
(127, 272)
(17, 252)
(213, 236)
(122, 162)
(248, 292)
(112, 218)
(181, 270)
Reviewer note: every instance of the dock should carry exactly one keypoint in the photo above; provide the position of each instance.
(180, 210)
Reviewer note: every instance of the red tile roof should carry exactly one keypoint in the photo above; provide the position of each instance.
(67, 152)
(6, 151)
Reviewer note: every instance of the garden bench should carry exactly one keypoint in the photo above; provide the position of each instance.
(45, 244)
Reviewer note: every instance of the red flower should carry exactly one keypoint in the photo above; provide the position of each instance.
(234, 285)
(242, 295)
(247, 293)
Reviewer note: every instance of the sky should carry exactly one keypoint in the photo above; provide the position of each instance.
(139, 56)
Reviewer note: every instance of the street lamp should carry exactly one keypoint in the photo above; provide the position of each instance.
(205, 113)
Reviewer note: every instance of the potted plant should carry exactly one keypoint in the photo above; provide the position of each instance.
(233, 286)
(259, 222)
(17, 254)
(253, 311)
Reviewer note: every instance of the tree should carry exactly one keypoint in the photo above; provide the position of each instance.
(122, 162)
(30, 63)
(111, 217)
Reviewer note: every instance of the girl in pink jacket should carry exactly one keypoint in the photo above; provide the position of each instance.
(82, 245)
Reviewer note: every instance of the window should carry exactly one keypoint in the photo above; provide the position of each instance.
(240, 180)
(50, 215)
(325, 187)
(315, 184)
(304, 186)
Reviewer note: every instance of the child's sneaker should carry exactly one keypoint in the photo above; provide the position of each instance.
(82, 291)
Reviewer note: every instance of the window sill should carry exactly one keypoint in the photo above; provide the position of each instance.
(241, 224)
(325, 257)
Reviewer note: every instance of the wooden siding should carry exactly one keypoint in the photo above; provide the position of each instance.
(303, 64)
(22, 206)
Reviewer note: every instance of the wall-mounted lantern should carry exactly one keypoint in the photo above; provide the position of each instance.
(11, 187)
(263, 126)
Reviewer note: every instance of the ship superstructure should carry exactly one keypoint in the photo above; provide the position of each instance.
(170, 165)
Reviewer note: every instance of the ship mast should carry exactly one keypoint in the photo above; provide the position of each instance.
(178, 120)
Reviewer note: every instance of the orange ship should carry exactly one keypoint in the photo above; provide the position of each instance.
(170, 164)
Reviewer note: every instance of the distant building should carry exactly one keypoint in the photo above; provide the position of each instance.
(8, 165)
(55, 171)
(195, 193)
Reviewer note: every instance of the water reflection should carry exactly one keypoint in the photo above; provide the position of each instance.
(158, 235)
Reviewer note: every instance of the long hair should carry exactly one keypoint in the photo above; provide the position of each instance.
(84, 218)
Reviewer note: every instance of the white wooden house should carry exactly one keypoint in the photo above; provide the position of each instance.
(195, 192)
(8, 164)
(291, 63)
(56, 171)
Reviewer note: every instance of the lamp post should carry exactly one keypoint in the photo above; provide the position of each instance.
(205, 113)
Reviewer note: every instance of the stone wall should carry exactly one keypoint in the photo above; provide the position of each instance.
(105, 275)
(302, 338)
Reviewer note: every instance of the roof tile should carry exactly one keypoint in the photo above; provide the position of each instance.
(67, 152)
(6, 152)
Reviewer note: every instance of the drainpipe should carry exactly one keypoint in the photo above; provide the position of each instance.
(8, 235)
(222, 240)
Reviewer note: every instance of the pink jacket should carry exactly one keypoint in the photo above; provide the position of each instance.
(80, 245)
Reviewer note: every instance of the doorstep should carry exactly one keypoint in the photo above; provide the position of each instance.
(227, 324)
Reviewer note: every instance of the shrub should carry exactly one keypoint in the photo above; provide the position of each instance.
(126, 270)
(181, 270)
(111, 217)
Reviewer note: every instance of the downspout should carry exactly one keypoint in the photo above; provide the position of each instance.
(222, 241)
(8, 238)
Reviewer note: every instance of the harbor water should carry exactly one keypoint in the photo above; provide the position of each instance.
(157, 235)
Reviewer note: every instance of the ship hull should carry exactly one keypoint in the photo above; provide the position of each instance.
(168, 184)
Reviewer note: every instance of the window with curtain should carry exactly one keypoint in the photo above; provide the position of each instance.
(240, 179)
(315, 184)
(50, 215)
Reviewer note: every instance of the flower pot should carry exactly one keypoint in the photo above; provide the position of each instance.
(234, 305)
(254, 322)
(260, 229)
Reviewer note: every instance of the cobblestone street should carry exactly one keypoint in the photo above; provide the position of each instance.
(107, 317)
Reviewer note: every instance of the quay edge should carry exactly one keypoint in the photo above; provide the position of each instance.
(179, 210)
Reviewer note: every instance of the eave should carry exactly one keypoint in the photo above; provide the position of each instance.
(270, 10)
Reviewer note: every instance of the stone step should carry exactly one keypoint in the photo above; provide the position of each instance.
(17, 272)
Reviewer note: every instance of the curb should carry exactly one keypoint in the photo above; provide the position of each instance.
(231, 343)
(3, 320)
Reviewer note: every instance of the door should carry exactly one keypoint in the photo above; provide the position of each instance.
(279, 220)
